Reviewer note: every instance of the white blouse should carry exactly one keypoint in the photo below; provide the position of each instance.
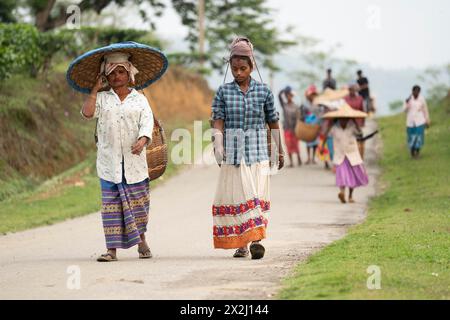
(120, 125)
(416, 112)
(345, 144)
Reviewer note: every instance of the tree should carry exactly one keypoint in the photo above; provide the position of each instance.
(50, 14)
(7, 8)
(316, 61)
(226, 19)
(396, 105)
(437, 81)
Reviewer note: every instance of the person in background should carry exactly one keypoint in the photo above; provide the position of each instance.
(291, 112)
(329, 82)
(355, 101)
(417, 118)
(310, 115)
(350, 170)
(364, 90)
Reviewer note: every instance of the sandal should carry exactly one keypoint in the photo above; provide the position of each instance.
(107, 257)
(145, 254)
(257, 250)
(240, 253)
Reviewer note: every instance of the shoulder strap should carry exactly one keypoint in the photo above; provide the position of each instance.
(228, 64)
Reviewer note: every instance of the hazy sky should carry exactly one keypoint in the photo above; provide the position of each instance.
(383, 33)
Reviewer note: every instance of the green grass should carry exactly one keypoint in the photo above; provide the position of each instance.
(74, 193)
(406, 233)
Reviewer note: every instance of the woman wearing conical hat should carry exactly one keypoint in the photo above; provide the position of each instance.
(350, 170)
(124, 129)
(241, 110)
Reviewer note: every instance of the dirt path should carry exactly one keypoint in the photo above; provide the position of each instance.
(305, 216)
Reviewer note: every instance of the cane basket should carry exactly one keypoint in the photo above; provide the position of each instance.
(157, 152)
(306, 132)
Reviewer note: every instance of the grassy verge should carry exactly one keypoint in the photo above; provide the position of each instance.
(74, 193)
(407, 231)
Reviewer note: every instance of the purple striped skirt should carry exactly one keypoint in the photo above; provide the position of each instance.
(125, 210)
(351, 176)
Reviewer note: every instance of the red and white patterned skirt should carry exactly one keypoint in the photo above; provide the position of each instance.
(241, 205)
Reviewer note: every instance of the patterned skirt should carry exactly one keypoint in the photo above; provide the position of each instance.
(241, 205)
(125, 210)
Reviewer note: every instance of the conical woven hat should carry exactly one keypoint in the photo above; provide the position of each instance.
(330, 95)
(151, 63)
(345, 111)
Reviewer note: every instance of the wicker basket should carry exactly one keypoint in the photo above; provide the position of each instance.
(157, 152)
(307, 132)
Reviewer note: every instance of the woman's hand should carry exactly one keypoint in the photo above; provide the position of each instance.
(90, 101)
(98, 84)
(139, 146)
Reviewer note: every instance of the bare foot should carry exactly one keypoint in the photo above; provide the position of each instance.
(350, 200)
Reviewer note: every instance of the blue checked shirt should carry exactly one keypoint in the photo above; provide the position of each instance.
(245, 116)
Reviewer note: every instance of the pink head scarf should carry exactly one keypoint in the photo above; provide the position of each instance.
(241, 46)
(115, 59)
(310, 90)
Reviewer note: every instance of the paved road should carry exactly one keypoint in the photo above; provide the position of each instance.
(305, 216)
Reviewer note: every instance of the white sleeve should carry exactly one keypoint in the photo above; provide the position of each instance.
(146, 121)
(98, 104)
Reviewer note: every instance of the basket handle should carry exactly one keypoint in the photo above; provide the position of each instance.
(156, 122)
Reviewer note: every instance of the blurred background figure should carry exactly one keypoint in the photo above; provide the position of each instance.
(417, 118)
(356, 101)
(310, 115)
(329, 82)
(364, 90)
(291, 112)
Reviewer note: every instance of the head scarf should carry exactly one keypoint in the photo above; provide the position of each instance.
(115, 59)
(241, 46)
(310, 90)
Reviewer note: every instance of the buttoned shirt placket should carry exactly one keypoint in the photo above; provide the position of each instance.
(245, 123)
(120, 104)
